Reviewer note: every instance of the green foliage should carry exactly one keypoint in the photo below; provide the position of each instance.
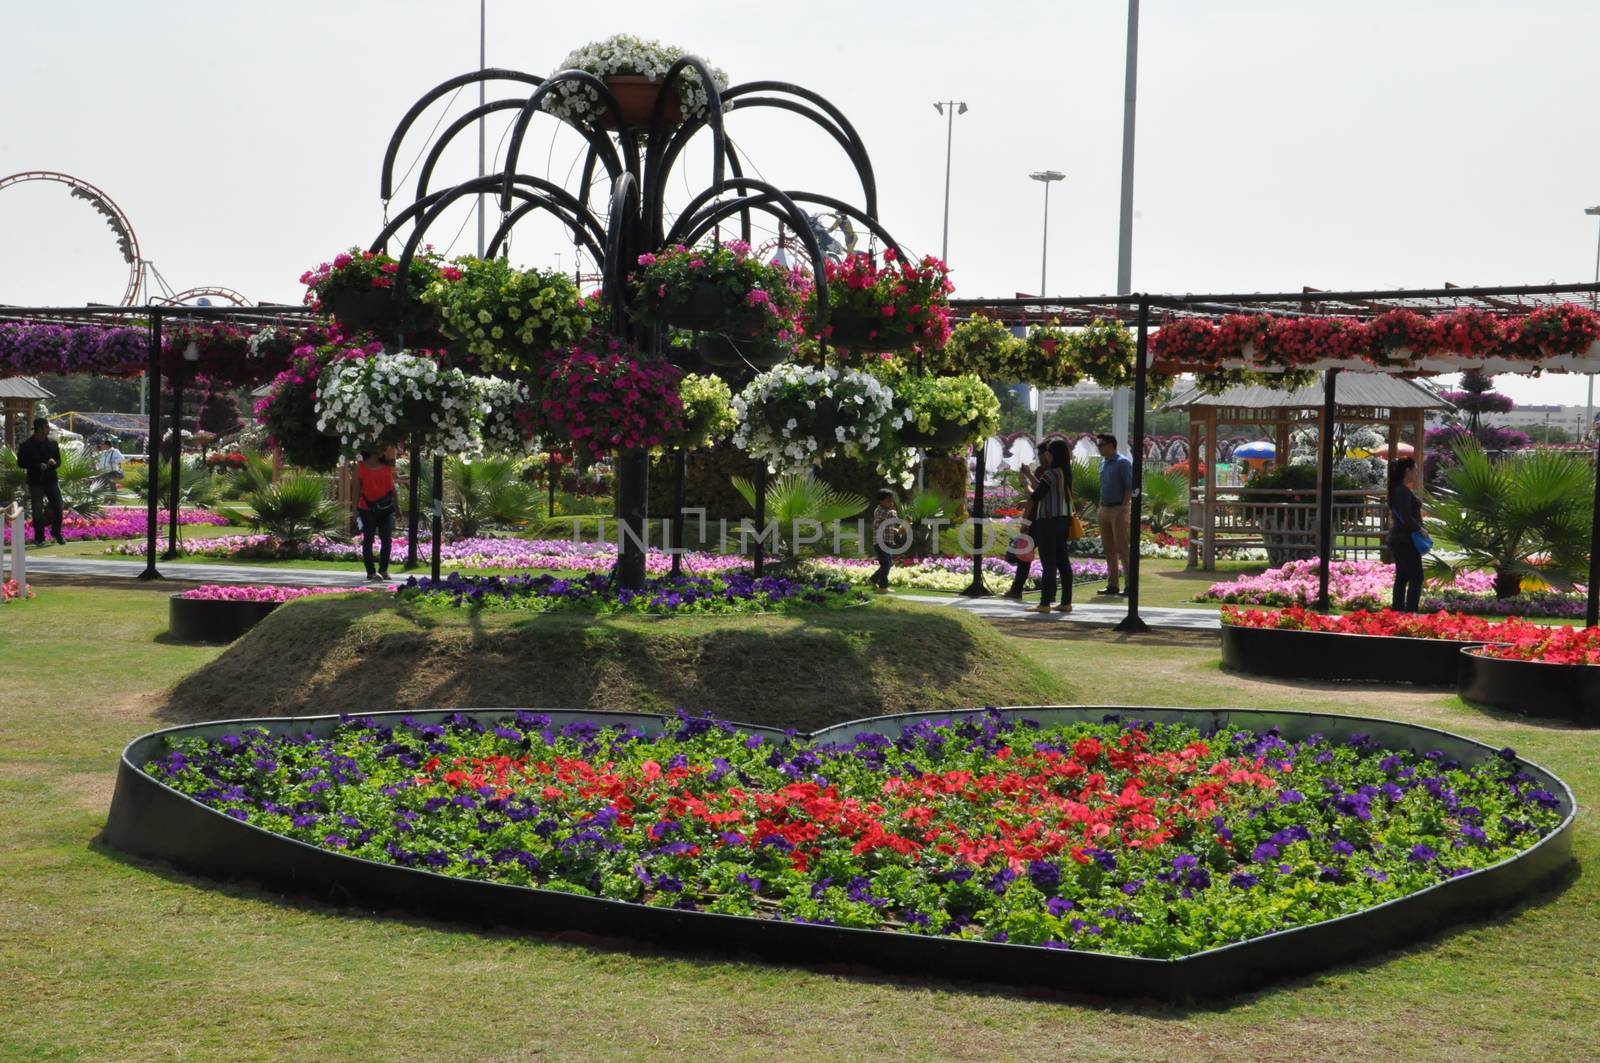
(1501, 515)
(963, 400)
(198, 485)
(507, 317)
(1298, 478)
(294, 509)
(801, 505)
(707, 410)
(487, 491)
(978, 345)
(1165, 499)
(1086, 489)
(255, 473)
(920, 511)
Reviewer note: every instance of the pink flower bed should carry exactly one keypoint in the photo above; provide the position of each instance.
(213, 592)
(1351, 585)
(121, 522)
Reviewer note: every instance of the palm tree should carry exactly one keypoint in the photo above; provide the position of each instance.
(1086, 490)
(487, 491)
(1165, 499)
(198, 486)
(799, 502)
(294, 509)
(1502, 515)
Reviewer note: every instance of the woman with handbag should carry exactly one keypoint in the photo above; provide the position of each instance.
(1052, 524)
(1022, 550)
(375, 508)
(1407, 539)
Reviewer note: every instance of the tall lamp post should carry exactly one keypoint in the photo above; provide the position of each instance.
(1044, 177)
(1588, 406)
(955, 107)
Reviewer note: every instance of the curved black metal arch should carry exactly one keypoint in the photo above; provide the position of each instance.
(386, 179)
(614, 270)
(712, 119)
(459, 125)
(531, 203)
(532, 107)
(434, 206)
(682, 234)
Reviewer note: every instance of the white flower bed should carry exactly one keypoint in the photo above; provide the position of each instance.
(382, 398)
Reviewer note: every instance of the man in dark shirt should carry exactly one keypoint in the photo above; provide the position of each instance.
(40, 456)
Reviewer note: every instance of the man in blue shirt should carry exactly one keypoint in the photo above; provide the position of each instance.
(1116, 490)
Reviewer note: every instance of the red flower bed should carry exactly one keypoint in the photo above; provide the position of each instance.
(1550, 645)
(1455, 627)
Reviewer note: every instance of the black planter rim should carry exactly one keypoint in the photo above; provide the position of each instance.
(1218, 716)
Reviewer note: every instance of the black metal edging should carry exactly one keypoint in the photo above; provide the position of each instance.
(1532, 688)
(150, 819)
(1334, 656)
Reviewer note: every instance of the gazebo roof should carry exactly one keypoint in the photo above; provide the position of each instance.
(23, 387)
(1362, 390)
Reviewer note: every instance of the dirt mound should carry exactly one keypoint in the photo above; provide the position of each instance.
(367, 654)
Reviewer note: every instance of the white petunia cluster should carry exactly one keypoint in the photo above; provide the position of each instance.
(383, 398)
(779, 420)
(626, 54)
(503, 433)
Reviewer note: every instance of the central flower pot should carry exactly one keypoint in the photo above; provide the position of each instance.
(637, 96)
(361, 311)
(703, 309)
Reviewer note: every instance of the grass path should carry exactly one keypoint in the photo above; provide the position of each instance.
(106, 958)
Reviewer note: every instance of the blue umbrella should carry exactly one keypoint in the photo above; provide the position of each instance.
(1257, 451)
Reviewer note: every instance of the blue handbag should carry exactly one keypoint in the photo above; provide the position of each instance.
(1421, 541)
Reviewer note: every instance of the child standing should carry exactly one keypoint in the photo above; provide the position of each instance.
(887, 531)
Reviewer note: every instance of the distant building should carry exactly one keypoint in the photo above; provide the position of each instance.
(1567, 418)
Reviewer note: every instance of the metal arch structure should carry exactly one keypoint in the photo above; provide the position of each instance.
(627, 168)
(228, 295)
(121, 227)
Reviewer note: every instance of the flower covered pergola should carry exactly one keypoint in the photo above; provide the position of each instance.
(1292, 337)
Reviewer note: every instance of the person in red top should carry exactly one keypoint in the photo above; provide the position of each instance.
(375, 507)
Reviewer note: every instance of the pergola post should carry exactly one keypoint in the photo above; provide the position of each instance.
(977, 588)
(1325, 487)
(153, 447)
(1209, 516)
(1194, 478)
(1133, 622)
(1592, 613)
(177, 466)
(411, 501)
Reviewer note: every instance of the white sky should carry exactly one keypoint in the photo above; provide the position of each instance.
(1281, 142)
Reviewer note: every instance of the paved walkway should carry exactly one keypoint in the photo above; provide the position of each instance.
(1091, 611)
(1087, 609)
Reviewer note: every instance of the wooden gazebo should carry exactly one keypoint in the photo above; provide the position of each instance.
(19, 398)
(1285, 522)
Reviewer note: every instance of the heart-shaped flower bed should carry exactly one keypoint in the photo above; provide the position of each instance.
(1169, 838)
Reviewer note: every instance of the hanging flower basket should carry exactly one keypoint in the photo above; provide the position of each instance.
(511, 419)
(733, 352)
(384, 399)
(357, 290)
(506, 318)
(894, 307)
(795, 417)
(609, 401)
(289, 410)
(946, 412)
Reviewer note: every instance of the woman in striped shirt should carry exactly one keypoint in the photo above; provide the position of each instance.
(1052, 500)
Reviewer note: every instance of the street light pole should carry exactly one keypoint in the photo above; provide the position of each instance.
(482, 38)
(1120, 396)
(955, 107)
(1045, 177)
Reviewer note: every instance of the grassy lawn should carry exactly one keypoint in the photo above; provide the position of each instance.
(109, 958)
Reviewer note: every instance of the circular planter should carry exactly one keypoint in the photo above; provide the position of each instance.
(1335, 657)
(854, 331)
(149, 819)
(943, 432)
(203, 620)
(637, 95)
(1533, 688)
(730, 352)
